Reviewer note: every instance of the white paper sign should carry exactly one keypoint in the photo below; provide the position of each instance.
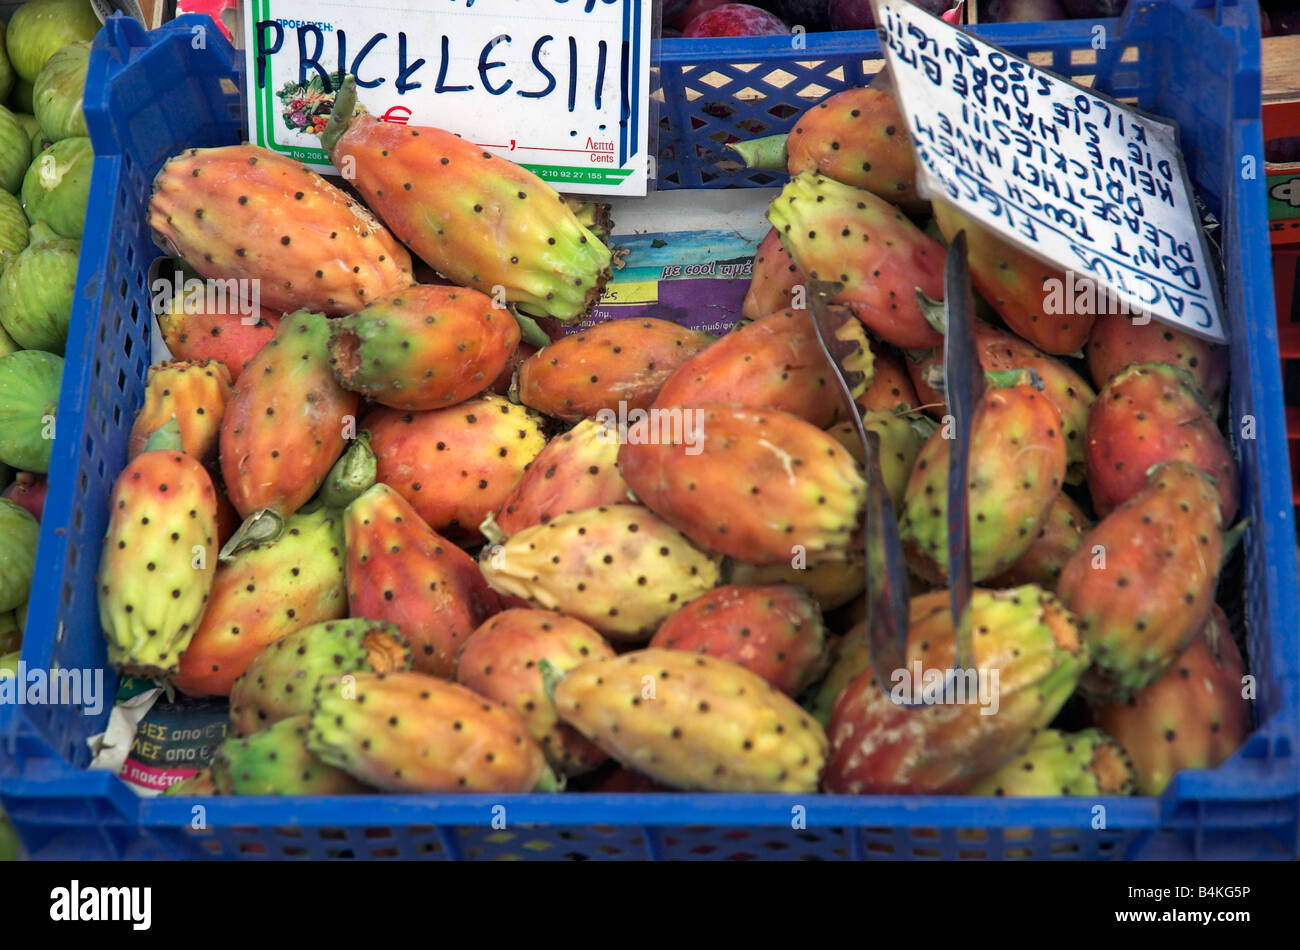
(1076, 179)
(558, 86)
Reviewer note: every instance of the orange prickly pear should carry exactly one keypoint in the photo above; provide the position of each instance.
(195, 394)
(772, 281)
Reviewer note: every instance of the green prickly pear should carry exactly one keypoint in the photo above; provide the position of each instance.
(500, 661)
(479, 220)
(759, 485)
(1060, 536)
(1059, 763)
(276, 761)
(156, 564)
(265, 592)
(694, 722)
(409, 732)
(901, 437)
(1143, 580)
(200, 783)
(423, 347)
(1015, 471)
(282, 679)
(835, 232)
(620, 569)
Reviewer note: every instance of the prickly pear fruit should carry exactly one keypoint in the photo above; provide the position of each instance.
(193, 335)
(620, 569)
(849, 656)
(773, 278)
(281, 680)
(775, 631)
(1060, 536)
(1145, 415)
(1016, 467)
(900, 443)
(1118, 342)
(401, 571)
(423, 347)
(240, 212)
(832, 583)
(156, 565)
(199, 784)
(627, 782)
(409, 732)
(576, 470)
(619, 362)
(500, 661)
(1060, 763)
(1143, 581)
(857, 137)
(1192, 717)
(195, 394)
(286, 422)
(999, 350)
(276, 761)
(1028, 657)
(773, 363)
(1015, 284)
(265, 592)
(455, 465)
(694, 722)
(479, 220)
(756, 484)
(891, 388)
(19, 532)
(839, 233)
(592, 214)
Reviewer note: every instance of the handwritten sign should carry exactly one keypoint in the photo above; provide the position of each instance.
(1076, 179)
(558, 86)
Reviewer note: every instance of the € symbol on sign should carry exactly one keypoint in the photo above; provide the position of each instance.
(398, 115)
(512, 145)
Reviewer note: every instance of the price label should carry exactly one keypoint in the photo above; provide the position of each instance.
(1074, 178)
(560, 87)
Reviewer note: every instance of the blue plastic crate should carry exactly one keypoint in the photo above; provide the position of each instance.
(150, 95)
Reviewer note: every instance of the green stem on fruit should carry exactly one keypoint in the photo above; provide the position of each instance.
(767, 153)
(165, 438)
(549, 781)
(550, 677)
(351, 475)
(491, 530)
(933, 311)
(345, 103)
(259, 528)
(530, 331)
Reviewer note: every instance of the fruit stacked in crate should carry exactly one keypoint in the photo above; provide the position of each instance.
(430, 536)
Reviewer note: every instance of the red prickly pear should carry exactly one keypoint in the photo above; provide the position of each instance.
(224, 337)
(839, 233)
(1118, 342)
(1143, 581)
(756, 484)
(399, 570)
(285, 424)
(576, 470)
(775, 631)
(857, 137)
(1148, 414)
(156, 565)
(619, 362)
(424, 347)
(1028, 657)
(458, 465)
(281, 680)
(1192, 717)
(773, 278)
(1016, 467)
(265, 592)
(276, 761)
(694, 722)
(410, 732)
(620, 569)
(773, 363)
(1060, 763)
(500, 661)
(29, 491)
(1060, 536)
(999, 350)
(240, 212)
(891, 388)
(195, 394)
(1016, 285)
(480, 220)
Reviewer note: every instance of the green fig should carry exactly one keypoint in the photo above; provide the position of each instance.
(29, 402)
(57, 185)
(37, 288)
(40, 28)
(58, 92)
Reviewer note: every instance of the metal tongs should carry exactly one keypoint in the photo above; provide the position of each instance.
(886, 574)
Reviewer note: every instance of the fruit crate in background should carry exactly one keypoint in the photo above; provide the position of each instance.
(150, 95)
